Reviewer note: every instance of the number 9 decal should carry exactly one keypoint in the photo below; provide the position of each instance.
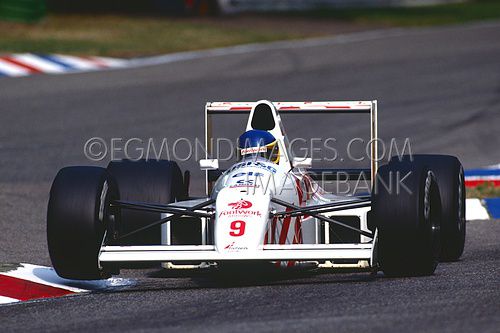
(237, 228)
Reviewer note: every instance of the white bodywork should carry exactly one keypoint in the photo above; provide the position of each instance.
(243, 225)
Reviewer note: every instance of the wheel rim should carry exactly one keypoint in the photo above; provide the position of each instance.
(102, 201)
(431, 211)
(461, 193)
(427, 195)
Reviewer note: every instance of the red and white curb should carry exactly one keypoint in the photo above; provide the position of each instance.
(477, 209)
(24, 64)
(30, 282)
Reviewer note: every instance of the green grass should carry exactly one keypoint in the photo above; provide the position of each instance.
(8, 267)
(485, 190)
(124, 36)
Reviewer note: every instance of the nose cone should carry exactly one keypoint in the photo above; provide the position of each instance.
(241, 221)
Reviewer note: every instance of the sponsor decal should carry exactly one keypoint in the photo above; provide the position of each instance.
(248, 182)
(248, 174)
(241, 204)
(256, 164)
(240, 208)
(253, 150)
(240, 212)
(233, 247)
(244, 185)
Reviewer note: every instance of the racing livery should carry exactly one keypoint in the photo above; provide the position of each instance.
(268, 207)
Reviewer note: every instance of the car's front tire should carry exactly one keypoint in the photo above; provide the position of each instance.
(407, 215)
(77, 218)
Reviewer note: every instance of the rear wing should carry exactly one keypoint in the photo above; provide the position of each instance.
(296, 107)
(290, 108)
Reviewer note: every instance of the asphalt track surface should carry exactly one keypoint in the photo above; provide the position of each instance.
(440, 87)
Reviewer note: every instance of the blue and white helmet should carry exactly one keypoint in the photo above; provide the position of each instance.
(259, 143)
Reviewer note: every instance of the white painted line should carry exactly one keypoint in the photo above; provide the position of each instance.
(474, 210)
(303, 43)
(48, 276)
(39, 63)
(111, 62)
(11, 69)
(5, 300)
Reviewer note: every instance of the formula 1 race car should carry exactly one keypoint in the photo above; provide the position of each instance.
(267, 207)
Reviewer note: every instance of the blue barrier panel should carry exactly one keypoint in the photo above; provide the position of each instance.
(493, 206)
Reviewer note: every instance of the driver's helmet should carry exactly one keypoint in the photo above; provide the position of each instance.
(258, 143)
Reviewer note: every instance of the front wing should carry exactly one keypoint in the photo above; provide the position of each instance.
(153, 253)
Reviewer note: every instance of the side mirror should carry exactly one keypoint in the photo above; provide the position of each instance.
(209, 164)
(300, 162)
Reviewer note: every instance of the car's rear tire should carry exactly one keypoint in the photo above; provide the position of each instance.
(407, 215)
(450, 178)
(149, 181)
(77, 217)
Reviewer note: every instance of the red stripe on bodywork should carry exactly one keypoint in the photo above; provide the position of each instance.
(337, 107)
(24, 290)
(308, 190)
(273, 230)
(300, 193)
(240, 108)
(297, 238)
(309, 187)
(319, 106)
(21, 64)
(285, 227)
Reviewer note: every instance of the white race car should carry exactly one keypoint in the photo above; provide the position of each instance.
(268, 207)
